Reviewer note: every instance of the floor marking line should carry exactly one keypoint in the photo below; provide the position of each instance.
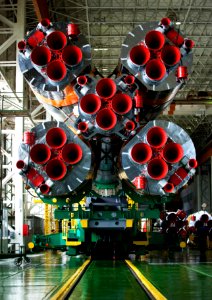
(200, 272)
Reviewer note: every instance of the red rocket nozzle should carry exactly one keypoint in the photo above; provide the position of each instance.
(40, 154)
(21, 45)
(122, 104)
(165, 21)
(129, 79)
(41, 56)
(56, 70)
(56, 138)
(56, 169)
(73, 30)
(169, 187)
(106, 119)
(155, 69)
(72, 55)
(189, 43)
(192, 163)
(56, 40)
(72, 153)
(154, 40)
(82, 80)
(83, 126)
(156, 137)
(90, 104)
(44, 188)
(173, 153)
(130, 125)
(139, 55)
(45, 22)
(141, 153)
(157, 168)
(20, 164)
(106, 88)
(170, 55)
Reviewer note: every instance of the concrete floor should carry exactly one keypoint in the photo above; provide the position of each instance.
(177, 276)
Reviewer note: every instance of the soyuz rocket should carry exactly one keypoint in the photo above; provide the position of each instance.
(106, 134)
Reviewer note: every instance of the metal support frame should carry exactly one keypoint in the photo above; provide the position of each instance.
(12, 182)
(19, 128)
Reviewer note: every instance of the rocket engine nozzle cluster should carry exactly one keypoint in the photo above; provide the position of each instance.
(57, 162)
(155, 61)
(51, 57)
(157, 154)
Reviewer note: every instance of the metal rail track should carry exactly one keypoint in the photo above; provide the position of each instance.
(65, 290)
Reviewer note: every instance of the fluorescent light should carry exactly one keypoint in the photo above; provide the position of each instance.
(178, 23)
(100, 49)
(104, 69)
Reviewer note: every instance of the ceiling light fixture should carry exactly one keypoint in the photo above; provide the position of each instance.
(100, 49)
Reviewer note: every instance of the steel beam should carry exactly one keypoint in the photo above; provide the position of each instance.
(14, 113)
(7, 178)
(7, 21)
(11, 63)
(7, 43)
(19, 128)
